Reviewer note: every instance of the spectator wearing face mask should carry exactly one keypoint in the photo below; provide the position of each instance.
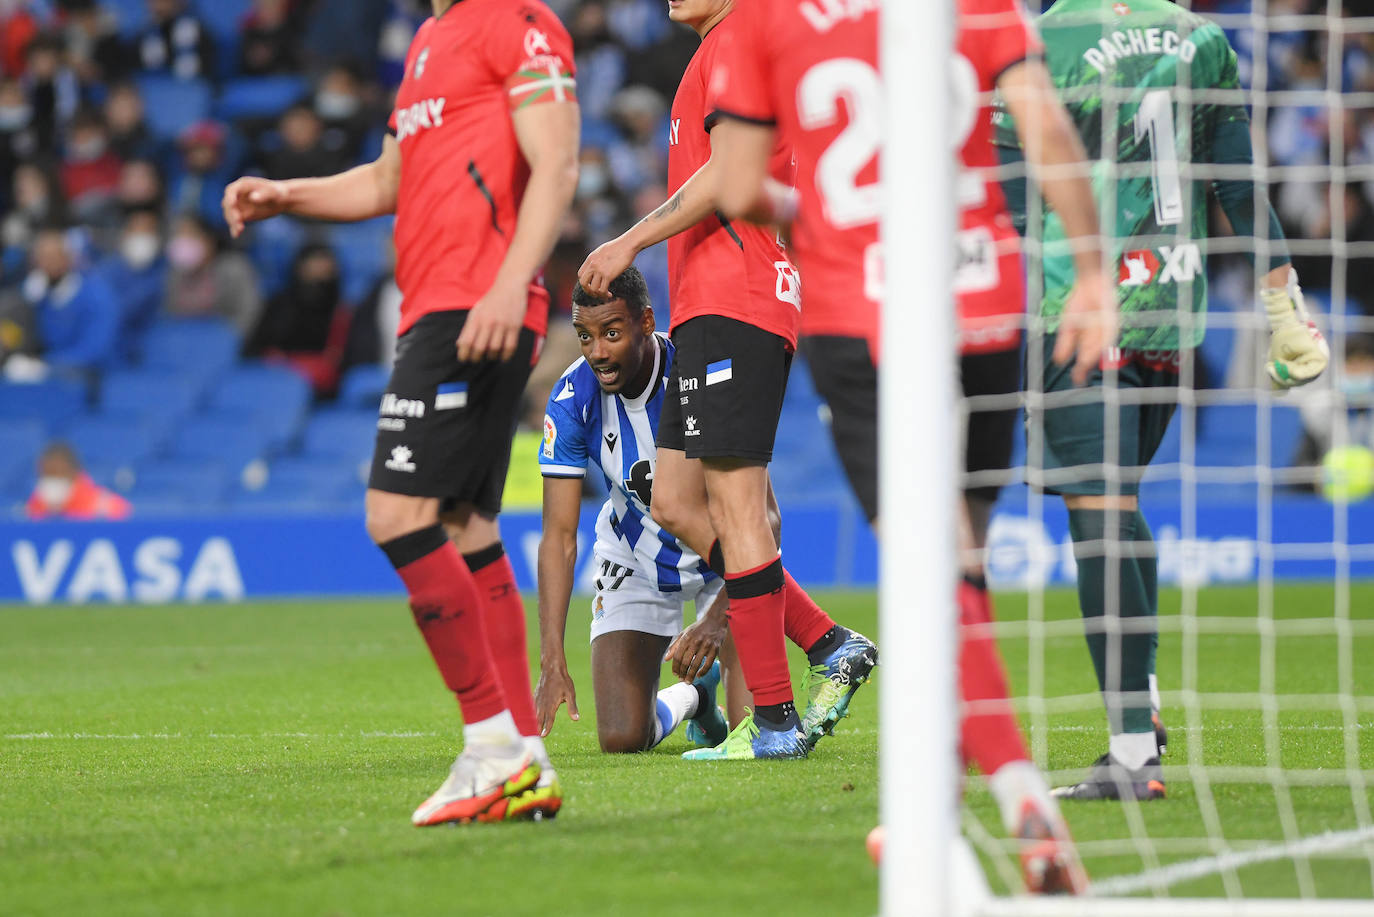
(205, 282)
(269, 39)
(341, 103)
(77, 312)
(306, 324)
(176, 43)
(138, 270)
(90, 169)
(65, 491)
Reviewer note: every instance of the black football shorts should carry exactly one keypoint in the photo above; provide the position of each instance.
(725, 392)
(444, 428)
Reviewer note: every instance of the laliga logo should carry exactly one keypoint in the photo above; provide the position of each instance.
(536, 42)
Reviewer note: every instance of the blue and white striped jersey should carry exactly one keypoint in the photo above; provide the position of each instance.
(585, 426)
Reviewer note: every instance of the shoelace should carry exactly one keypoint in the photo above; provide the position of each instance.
(745, 732)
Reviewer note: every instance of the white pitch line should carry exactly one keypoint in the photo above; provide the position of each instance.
(1313, 845)
(1223, 727)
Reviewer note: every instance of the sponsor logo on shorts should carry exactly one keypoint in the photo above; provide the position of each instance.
(720, 371)
(392, 406)
(550, 436)
(391, 424)
(400, 460)
(451, 396)
(686, 385)
(692, 426)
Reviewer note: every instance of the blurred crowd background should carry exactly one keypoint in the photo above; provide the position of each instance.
(186, 370)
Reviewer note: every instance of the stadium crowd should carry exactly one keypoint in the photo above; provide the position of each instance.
(121, 121)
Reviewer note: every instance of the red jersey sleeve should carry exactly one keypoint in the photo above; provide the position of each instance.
(995, 35)
(742, 81)
(533, 54)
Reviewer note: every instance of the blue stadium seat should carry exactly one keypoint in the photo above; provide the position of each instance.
(190, 486)
(150, 392)
(53, 401)
(174, 105)
(115, 441)
(274, 397)
(362, 252)
(363, 386)
(20, 443)
(132, 15)
(230, 440)
(199, 347)
(222, 17)
(1227, 435)
(340, 434)
(307, 478)
(259, 96)
(272, 246)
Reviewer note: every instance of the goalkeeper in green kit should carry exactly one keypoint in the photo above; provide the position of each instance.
(1154, 93)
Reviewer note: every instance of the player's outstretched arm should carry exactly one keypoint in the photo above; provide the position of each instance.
(557, 563)
(361, 193)
(692, 203)
(548, 138)
(1060, 165)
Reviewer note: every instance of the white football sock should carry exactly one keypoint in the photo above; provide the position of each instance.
(535, 746)
(674, 704)
(494, 730)
(1012, 785)
(1154, 693)
(1132, 749)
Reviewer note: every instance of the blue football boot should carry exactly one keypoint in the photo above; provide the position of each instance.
(709, 727)
(830, 685)
(750, 740)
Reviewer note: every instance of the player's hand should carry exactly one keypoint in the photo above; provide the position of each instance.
(1088, 325)
(605, 264)
(250, 199)
(492, 328)
(696, 648)
(1298, 353)
(555, 689)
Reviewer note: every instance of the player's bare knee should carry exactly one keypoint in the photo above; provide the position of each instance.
(389, 516)
(622, 738)
(1122, 502)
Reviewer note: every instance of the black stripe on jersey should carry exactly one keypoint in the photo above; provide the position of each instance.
(486, 193)
(724, 221)
(736, 116)
(711, 121)
(1020, 60)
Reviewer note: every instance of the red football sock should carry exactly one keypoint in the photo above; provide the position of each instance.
(803, 621)
(989, 735)
(448, 609)
(757, 610)
(504, 612)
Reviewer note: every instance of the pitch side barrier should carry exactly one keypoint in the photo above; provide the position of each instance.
(827, 545)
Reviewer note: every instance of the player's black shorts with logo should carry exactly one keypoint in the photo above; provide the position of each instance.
(725, 392)
(444, 428)
(843, 372)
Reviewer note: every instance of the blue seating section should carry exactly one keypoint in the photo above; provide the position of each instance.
(172, 104)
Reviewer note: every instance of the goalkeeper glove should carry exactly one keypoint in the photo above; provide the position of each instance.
(1297, 351)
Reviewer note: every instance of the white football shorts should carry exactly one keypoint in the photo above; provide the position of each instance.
(627, 600)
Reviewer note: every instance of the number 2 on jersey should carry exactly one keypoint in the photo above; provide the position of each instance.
(847, 203)
(1155, 119)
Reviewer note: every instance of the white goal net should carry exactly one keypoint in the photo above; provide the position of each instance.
(1258, 503)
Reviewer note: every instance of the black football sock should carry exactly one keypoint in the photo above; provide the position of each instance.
(778, 717)
(817, 652)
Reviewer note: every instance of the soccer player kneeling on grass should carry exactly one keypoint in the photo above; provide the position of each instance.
(603, 413)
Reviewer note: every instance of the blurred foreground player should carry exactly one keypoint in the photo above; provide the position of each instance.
(479, 172)
(1159, 76)
(735, 302)
(812, 78)
(603, 413)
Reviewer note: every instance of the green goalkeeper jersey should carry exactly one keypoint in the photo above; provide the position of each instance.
(1135, 77)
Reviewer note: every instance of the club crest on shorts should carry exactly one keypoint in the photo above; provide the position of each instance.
(400, 460)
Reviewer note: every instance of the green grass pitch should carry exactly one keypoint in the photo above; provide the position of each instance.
(265, 758)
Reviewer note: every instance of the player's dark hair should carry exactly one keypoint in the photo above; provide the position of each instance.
(629, 287)
(61, 449)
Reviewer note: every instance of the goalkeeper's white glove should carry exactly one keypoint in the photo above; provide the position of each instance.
(1297, 351)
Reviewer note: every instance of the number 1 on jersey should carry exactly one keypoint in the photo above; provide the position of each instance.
(1155, 119)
